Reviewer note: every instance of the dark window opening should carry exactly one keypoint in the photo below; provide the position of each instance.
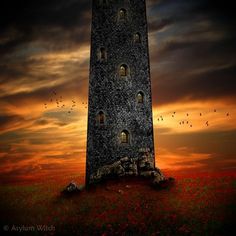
(101, 118)
(140, 97)
(137, 38)
(124, 136)
(103, 53)
(123, 70)
(122, 14)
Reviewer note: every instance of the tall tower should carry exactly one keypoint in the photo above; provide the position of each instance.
(120, 125)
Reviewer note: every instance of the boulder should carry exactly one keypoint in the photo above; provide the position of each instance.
(119, 170)
(125, 159)
(72, 188)
(146, 162)
(146, 173)
(157, 179)
(143, 166)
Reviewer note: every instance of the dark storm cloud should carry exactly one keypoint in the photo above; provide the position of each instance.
(213, 84)
(194, 57)
(196, 70)
(28, 31)
(183, 9)
(25, 21)
(11, 122)
(224, 13)
(159, 25)
(43, 95)
(44, 122)
(31, 73)
(29, 13)
(10, 71)
(7, 72)
(212, 142)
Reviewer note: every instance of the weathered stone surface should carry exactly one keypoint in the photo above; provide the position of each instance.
(129, 167)
(115, 95)
(158, 178)
(125, 159)
(146, 173)
(119, 170)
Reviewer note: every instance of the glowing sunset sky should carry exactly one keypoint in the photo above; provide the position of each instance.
(45, 47)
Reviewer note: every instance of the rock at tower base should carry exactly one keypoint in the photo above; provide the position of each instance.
(142, 166)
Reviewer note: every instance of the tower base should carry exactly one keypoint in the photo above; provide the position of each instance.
(141, 166)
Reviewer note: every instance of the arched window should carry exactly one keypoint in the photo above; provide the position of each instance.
(137, 38)
(122, 14)
(140, 97)
(101, 118)
(102, 53)
(124, 136)
(123, 70)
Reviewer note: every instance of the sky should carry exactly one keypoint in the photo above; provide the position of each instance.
(44, 55)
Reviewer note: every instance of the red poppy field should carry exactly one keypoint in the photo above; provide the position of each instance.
(198, 203)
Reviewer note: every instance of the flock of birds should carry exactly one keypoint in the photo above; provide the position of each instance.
(60, 104)
(58, 100)
(187, 121)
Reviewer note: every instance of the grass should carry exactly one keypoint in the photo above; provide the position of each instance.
(198, 204)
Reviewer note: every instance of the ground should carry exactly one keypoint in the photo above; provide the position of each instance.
(199, 203)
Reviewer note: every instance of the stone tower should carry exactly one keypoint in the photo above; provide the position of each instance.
(120, 125)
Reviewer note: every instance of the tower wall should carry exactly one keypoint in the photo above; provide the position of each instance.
(114, 43)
